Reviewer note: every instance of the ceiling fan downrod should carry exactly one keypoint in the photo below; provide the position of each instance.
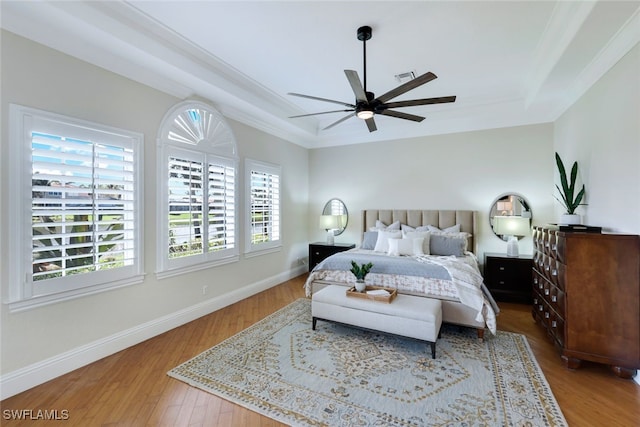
(364, 34)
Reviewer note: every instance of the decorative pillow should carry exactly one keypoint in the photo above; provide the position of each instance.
(382, 243)
(382, 226)
(445, 244)
(405, 227)
(452, 229)
(411, 247)
(369, 240)
(424, 235)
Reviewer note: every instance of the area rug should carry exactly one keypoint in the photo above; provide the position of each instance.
(343, 376)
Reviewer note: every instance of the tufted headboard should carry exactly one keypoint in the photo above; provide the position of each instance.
(417, 218)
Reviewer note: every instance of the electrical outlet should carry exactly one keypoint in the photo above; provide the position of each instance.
(205, 288)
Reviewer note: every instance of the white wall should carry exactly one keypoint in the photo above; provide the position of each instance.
(56, 337)
(602, 132)
(458, 171)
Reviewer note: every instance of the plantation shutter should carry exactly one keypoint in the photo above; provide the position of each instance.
(185, 207)
(82, 209)
(191, 200)
(222, 209)
(265, 207)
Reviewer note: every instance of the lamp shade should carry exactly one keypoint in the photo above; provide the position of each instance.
(329, 222)
(511, 225)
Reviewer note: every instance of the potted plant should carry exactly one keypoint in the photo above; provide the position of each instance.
(570, 199)
(360, 271)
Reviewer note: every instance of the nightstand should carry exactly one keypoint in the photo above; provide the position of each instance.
(319, 251)
(508, 278)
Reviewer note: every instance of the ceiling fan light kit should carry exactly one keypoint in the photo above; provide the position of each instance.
(366, 104)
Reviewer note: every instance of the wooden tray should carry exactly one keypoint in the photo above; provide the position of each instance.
(351, 292)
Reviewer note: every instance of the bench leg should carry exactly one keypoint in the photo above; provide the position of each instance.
(433, 350)
(313, 323)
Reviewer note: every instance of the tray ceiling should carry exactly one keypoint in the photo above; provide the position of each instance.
(508, 63)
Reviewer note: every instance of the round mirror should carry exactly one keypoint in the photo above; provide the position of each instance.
(338, 210)
(510, 215)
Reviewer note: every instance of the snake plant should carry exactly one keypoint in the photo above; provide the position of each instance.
(570, 200)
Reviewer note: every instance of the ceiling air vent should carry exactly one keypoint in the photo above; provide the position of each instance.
(405, 77)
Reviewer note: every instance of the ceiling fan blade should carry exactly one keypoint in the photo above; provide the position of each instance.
(371, 124)
(322, 99)
(401, 115)
(315, 114)
(425, 101)
(411, 84)
(356, 85)
(339, 121)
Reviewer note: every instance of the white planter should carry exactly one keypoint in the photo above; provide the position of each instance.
(570, 219)
(360, 286)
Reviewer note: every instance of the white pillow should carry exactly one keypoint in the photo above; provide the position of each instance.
(405, 227)
(452, 229)
(412, 247)
(424, 235)
(382, 244)
(382, 226)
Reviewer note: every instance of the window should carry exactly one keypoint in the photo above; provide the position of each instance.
(198, 167)
(263, 202)
(75, 207)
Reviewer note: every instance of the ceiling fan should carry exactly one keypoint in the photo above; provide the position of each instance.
(367, 105)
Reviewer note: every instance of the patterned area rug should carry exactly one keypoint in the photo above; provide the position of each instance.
(343, 376)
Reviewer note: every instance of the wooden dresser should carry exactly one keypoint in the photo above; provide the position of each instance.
(586, 294)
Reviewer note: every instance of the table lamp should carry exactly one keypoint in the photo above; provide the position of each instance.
(511, 227)
(330, 223)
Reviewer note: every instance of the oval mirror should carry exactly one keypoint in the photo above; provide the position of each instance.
(337, 209)
(510, 215)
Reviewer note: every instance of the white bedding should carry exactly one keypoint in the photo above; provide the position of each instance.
(464, 285)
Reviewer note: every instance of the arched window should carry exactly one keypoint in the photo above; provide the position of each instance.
(197, 171)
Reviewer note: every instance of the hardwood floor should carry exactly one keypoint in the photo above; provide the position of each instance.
(131, 388)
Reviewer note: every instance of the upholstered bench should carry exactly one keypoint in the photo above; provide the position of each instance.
(407, 315)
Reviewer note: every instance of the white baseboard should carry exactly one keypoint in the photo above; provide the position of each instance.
(38, 373)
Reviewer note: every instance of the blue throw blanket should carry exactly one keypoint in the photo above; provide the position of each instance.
(384, 264)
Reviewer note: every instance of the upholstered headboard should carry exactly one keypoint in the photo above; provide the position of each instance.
(417, 218)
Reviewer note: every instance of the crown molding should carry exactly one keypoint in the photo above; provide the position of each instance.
(563, 26)
(627, 37)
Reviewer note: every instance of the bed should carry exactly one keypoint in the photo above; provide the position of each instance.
(452, 275)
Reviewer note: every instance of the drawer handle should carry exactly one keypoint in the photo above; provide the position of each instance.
(546, 267)
(540, 286)
(317, 253)
(540, 308)
(535, 280)
(554, 247)
(554, 324)
(554, 272)
(535, 301)
(546, 291)
(501, 282)
(546, 314)
(501, 268)
(554, 298)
